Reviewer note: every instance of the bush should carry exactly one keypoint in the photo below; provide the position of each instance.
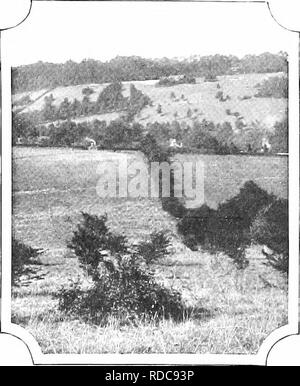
(23, 256)
(194, 225)
(155, 249)
(270, 228)
(273, 87)
(121, 285)
(152, 150)
(87, 91)
(226, 229)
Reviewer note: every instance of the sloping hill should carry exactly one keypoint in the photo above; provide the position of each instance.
(187, 102)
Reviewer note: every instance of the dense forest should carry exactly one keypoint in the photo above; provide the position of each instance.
(48, 75)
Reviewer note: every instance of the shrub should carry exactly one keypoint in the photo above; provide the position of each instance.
(155, 249)
(23, 257)
(121, 285)
(226, 229)
(152, 150)
(279, 138)
(246, 97)
(194, 225)
(87, 91)
(270, 228)
(219, 95)
(273, 87)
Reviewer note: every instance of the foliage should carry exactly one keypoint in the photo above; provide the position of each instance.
(47, 75)
(23, 257)
(154, 249)
(273, 87)
(270, 228)
(110, 98)
(171, 81)
(87, 91)
(137, 101)
(152, 150)
(121, 284)
(226, 229)
(279, 139)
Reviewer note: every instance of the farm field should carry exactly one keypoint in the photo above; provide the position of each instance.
(233, 311)
(199, 98)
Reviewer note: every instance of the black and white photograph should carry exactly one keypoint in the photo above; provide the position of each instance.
(150, 182)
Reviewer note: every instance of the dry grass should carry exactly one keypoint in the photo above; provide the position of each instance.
(233, 311)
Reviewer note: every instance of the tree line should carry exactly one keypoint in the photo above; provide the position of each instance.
(201, 136)
(110, 99)
(42, 75)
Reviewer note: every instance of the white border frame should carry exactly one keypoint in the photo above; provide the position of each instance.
(183, 359)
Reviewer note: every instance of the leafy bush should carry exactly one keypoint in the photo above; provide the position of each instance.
(279, 138)
(155, 249)
(121, 284)
(226, 229)
(194, 225)
(273, 87)
(219, 95)
(152, 150)
(270, 228)
(23, 256)
(171, 81)
(87, 91)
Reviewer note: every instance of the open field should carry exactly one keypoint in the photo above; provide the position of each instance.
(52, 187)
(199, 97)
(233, 310)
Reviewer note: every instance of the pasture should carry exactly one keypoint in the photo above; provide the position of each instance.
(233, 311)
(199, 98)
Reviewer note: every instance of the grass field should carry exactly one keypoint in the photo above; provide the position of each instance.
(233, 311)
(199, 97)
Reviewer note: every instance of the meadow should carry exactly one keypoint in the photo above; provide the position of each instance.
(233, 311)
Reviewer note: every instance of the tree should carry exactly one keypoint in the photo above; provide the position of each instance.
(270, 228)
(279, 139)
(87, 91)
(87, 106)
(76, 108)
(49, 110)
(111, 98)
(65, 109)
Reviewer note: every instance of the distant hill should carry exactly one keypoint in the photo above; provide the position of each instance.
(42, 75)
(184, 102)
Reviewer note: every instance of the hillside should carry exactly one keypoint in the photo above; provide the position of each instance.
(187, 103)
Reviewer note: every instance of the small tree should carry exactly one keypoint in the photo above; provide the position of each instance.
(155, 249)
(270, 228)
(121, 285)
(87, 91)
(49, 110)
(23, 257)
